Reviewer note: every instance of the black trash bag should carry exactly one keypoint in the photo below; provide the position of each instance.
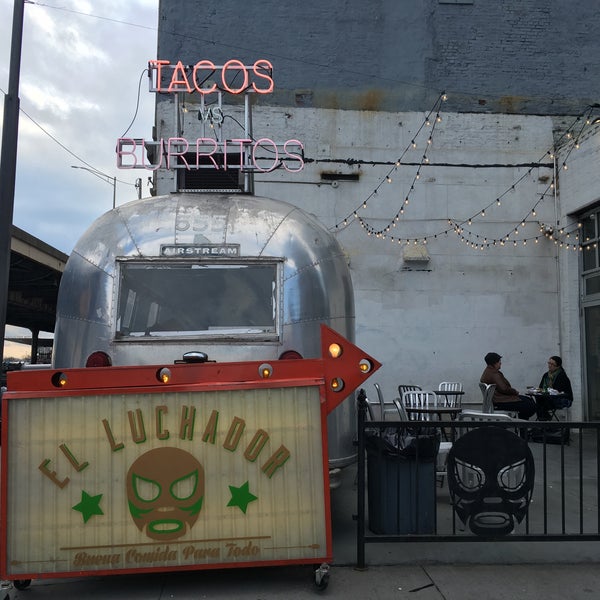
(421, 446)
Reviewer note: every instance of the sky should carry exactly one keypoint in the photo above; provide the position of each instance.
(83, 85)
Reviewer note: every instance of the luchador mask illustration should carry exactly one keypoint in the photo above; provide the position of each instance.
(165, 490)
(490, 477)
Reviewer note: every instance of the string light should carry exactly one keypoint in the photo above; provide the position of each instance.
(473, 239)
(425, 160)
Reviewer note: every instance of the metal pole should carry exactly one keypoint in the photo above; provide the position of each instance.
(8, 161)
(114, 182)
(361, 402)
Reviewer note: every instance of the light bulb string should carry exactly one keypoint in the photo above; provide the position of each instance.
(514, 231)
(406, 198)
(412, 145)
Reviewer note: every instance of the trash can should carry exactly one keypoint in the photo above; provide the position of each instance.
(401, 483)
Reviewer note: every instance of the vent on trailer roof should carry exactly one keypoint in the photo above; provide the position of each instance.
(207, 178)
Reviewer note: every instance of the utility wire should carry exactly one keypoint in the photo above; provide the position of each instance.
(75, 156)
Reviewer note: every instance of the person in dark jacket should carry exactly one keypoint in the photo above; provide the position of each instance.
(556, 379)
(506, 397)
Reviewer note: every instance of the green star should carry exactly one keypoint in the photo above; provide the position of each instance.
(241, 496)
(89, 505)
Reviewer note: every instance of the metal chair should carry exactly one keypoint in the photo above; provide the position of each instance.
(401, 409)
(473, 415)
(442, 456)
(374, 412)
(487, 392)
(387, 407)
(420, 399)
(378, 409)
(408, 388)
(451, 386)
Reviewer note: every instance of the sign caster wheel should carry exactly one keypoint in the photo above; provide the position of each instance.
(22, 584)
(322, 576)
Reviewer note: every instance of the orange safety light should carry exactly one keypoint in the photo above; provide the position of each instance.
(365, 365)
(265, 370)
(337, 384)
(164, 375)
(59, 380)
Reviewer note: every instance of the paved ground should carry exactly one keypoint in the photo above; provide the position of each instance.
(433, 582)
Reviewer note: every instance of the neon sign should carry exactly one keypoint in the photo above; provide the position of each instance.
(195, 78)
(174, 153)
(204, 78)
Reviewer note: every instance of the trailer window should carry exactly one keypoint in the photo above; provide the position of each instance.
(166, 299)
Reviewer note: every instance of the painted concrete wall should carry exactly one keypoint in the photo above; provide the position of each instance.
(434, 321)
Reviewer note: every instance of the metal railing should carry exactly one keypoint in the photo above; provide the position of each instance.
(402, 498)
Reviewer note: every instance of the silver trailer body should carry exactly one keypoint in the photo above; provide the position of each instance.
(237, 277)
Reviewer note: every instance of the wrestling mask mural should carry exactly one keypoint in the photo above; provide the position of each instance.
(165, 490)
(490, 477)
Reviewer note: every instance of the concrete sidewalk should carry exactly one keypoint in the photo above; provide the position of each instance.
(433, 582)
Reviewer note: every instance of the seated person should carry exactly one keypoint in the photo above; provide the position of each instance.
(557, 379)
(505, 396)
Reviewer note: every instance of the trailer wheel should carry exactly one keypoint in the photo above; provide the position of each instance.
(322, 576)
(22, 584)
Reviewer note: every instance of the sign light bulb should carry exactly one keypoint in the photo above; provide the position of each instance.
(335, 350)
(164, 375)
(337, 384)
(265, 370)
(365, 365)
(59, 380)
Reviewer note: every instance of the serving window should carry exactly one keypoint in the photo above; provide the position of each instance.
(179, 299)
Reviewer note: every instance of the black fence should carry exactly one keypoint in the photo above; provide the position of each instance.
(472, 480)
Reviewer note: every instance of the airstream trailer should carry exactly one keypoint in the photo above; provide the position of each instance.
(225, 277)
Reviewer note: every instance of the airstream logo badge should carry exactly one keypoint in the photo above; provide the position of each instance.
(200, 250)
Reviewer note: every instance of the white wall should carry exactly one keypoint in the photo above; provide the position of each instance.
(435, 321)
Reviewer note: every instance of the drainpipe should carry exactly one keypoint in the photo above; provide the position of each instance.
(557, 262)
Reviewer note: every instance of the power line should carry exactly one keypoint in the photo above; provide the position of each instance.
(55, 140)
